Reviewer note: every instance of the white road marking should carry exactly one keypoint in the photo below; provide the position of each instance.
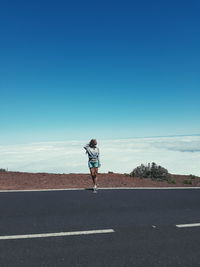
(146, 188)
(100, 188)
(91, 232)
(188, 225)
(41, 190)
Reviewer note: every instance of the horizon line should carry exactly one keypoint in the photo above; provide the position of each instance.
(122, 138)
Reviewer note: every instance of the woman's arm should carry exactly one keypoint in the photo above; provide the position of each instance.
(86, 147)
(99, 158)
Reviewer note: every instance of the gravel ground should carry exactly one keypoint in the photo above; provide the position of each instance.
(22, 180)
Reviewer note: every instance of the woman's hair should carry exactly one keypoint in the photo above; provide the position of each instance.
(93, 142)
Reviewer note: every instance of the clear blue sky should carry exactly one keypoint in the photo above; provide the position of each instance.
(104, 69)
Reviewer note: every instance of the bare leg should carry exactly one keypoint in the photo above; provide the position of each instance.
(94, 172)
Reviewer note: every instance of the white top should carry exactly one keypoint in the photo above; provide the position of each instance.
(93, 153)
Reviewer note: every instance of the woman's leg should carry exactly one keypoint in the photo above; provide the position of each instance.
(95, 176)
(94, 172)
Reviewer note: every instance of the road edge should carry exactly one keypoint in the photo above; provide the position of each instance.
(101, 188)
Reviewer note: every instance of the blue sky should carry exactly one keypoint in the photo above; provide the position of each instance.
(103, 69)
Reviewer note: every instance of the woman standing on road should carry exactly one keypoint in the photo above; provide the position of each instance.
(93, 160)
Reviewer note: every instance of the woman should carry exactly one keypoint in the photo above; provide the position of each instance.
(93, 163)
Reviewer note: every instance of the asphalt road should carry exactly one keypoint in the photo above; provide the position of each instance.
(144, 224)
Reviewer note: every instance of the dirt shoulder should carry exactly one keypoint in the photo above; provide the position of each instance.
(23, 180)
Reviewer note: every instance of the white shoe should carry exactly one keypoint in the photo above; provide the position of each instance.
(95, 189)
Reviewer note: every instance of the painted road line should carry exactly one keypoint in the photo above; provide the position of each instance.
(146, 188)
(91, 232)
(100, 188)
(40, 190)
(188, 225)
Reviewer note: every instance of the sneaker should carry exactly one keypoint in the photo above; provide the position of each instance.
(95, 189)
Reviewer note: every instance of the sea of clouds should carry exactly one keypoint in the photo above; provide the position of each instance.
(179, 154)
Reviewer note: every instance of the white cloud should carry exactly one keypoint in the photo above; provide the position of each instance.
(179, 155)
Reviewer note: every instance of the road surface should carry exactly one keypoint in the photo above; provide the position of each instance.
(142, 228)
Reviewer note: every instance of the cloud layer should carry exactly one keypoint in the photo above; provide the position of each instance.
(180, 155)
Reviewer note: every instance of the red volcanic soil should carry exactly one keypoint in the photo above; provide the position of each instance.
(22, 180)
